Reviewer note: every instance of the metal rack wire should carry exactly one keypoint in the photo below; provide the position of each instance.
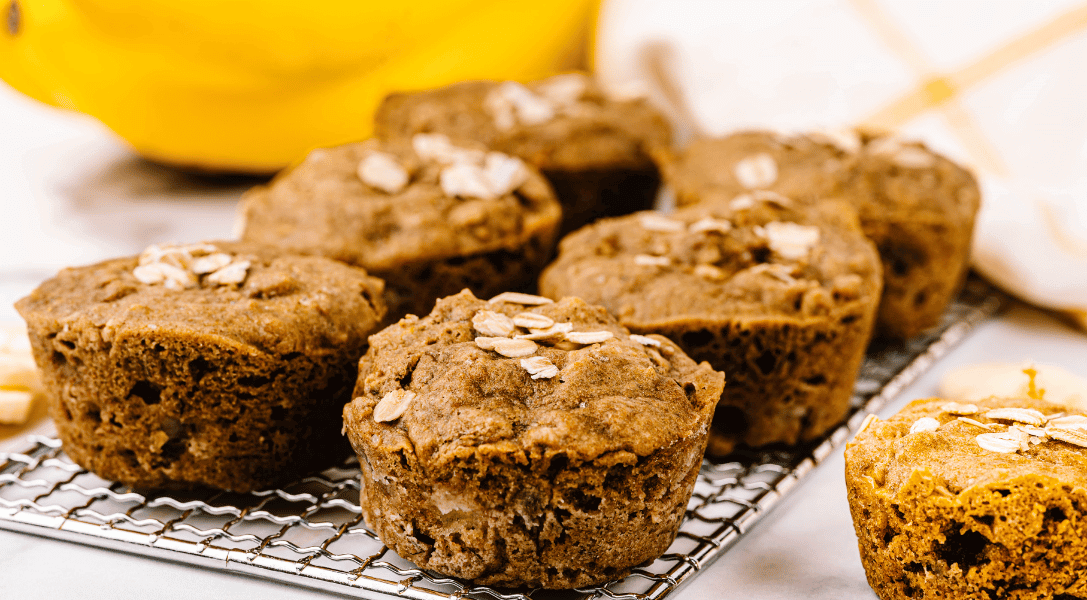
(311, 533)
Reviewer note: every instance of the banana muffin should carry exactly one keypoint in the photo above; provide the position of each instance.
(595, 150)
(214, 364)
(780, 297)
(428, 217)
(915, 205)
(524, 442)
(979, 500)
(919, 209)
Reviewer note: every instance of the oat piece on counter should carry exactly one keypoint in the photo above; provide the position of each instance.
(429, 217)
(781, 299)
(594, 150)
(915, 205)
(215, 364)
(987, 506)
(559, 461)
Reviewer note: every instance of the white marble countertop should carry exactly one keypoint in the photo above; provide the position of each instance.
(73, 194)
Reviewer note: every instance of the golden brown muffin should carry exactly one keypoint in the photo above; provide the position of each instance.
(520, 442)
(985, 500)
(217, 364)
(429, 218)
(594, 150)
(915, 205)
(779, 297)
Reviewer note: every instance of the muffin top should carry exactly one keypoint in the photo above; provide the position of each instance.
(236, 293)
(961, 445)
(563, 122)
(520, 377)
(896, 180)
(802, 167)
(884, 177)
(379, 205)
(756, 256)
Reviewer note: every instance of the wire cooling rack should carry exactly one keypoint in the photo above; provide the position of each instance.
(311, 533)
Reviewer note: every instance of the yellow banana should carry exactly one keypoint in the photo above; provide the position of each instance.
(251, 85)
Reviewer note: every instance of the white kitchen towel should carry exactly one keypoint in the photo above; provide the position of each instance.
(998, 86)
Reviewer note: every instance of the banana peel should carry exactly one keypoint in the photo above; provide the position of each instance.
(250, 86)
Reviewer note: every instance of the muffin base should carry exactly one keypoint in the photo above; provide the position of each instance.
(552, 523)
(925, 261)
(789, 381)
(163, 411)
(414, 287)
(1009, 539)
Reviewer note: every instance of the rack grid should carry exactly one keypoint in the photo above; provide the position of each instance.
(311, 533)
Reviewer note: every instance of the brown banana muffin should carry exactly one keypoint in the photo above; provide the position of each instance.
(428, 217)
(217, 364)
(919, 209)
(915, 205)
(982, 500)
(781, 299)
(520, 442)
(595, 150)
